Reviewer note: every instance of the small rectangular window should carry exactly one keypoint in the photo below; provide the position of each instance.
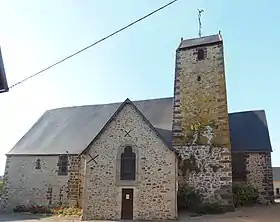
(238, 167)
(277, 191)
(63, 165)
(38, 164)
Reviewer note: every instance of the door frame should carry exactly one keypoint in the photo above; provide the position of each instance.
(127, 204)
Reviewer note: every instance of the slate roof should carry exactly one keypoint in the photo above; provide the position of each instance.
(276, 173)
(249, 131)
(205, 40)
(72, 129)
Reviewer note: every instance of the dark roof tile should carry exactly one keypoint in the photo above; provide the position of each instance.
(249, 131)
(205, 40)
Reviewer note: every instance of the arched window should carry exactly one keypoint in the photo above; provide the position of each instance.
(38, 164)
(200, 54)
(128, 164)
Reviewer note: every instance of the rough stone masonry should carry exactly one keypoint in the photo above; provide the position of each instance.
(200, 122)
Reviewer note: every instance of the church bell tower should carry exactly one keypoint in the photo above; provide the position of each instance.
(200, 119)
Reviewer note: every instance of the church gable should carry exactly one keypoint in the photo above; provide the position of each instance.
(129, 152)
(136, 115)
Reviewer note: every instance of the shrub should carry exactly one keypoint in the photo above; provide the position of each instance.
(67, 211)
(19, 208)
(188, 198)
(213, 208)
(31, 209)
(244, 195)
(62, 211)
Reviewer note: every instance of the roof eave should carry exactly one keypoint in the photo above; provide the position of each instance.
(208, 41)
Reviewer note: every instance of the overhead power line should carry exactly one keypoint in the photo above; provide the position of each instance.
(93, 44)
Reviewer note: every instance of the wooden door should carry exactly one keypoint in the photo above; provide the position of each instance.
(127, 204)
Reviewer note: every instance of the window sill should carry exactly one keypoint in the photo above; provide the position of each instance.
(126, 182)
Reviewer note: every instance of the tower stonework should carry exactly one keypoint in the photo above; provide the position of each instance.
(200, 119)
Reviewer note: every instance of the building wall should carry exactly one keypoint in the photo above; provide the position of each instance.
(155, 184)
(276, 184)
(259, 174)
(25, 185)
(75, 181)
(81, 181)
(200, 120)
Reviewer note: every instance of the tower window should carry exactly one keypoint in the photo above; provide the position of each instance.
(128, 164)
(200, 54)
(38, 164)
(198, 78)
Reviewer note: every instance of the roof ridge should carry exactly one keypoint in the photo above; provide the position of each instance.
(202, 37)
(247, 111)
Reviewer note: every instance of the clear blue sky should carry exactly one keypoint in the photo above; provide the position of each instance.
(137, 63)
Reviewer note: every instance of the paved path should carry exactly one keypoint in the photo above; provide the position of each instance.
(253, 214)
(18, 217)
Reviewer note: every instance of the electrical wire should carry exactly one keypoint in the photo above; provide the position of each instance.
(93, 44)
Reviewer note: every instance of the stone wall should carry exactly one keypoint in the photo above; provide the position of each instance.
(259, 174)
(200, 120)
(75, 181)
(24, 184)
(208, 170)
(154, 189)
(81, 181)
(200, 100)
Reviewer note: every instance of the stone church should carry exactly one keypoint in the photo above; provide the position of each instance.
(127, 160)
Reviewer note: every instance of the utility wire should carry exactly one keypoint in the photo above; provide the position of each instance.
(93, 44)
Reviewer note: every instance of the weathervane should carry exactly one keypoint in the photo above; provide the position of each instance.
(199, 21)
